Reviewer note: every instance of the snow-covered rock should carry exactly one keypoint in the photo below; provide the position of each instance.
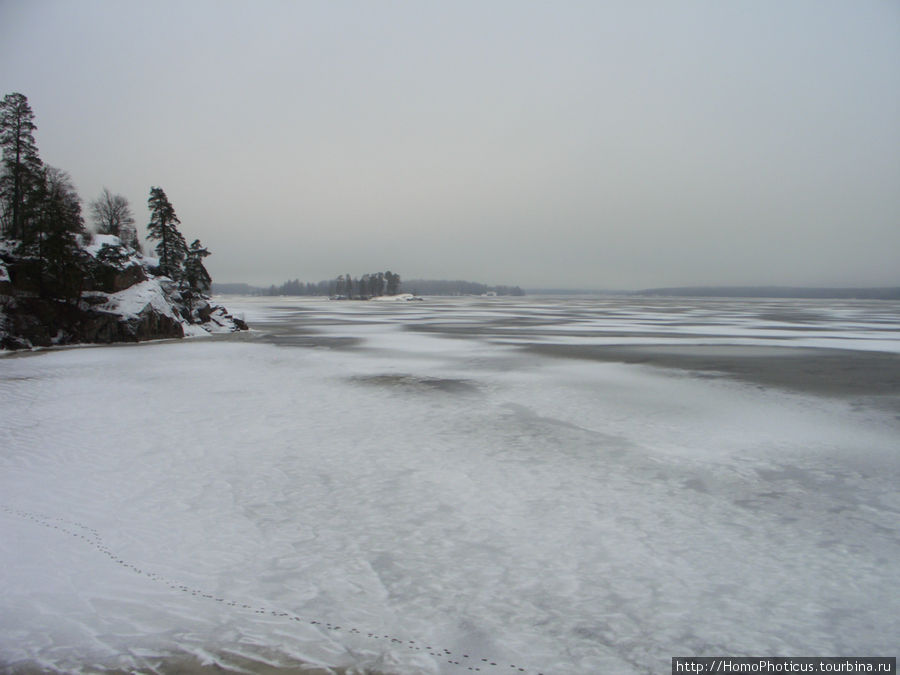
(123, 299)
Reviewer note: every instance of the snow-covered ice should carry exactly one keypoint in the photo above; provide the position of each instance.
(402, 487)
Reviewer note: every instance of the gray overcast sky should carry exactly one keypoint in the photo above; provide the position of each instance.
(616, 144)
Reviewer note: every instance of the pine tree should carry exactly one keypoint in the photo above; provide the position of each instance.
(56, 225)
(195, 274)
(21, 169)
(172, 248)
(393, 282)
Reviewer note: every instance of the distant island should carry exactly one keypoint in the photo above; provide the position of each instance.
(366, 286)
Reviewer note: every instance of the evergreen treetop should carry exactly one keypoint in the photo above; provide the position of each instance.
(195, 274)
(172, 249)
(21, 167)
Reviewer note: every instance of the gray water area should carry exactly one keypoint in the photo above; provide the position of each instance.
(841, 348)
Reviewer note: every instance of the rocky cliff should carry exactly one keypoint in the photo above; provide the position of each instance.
(122, 298)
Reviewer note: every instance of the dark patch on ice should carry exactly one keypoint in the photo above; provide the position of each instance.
(834, 372)
(322, 341)
(559, 432)
(418, 383)
(696, 484)
(526, 414)
(794, 316)
(796, 475)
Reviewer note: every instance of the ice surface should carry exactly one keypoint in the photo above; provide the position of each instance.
(428, 494)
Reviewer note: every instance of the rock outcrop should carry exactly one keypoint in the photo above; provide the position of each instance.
(122, 299)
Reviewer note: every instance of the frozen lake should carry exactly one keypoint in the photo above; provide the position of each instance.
(545, 485)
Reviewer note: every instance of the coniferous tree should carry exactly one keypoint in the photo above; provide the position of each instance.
(195, 274)
(56, 225)
(21, 175)
(393, 282)
(172, 248)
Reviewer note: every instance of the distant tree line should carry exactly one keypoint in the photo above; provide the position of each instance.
(344, 286)
(372, 285)
(884, 293)
(42, 223)
(441, 287)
